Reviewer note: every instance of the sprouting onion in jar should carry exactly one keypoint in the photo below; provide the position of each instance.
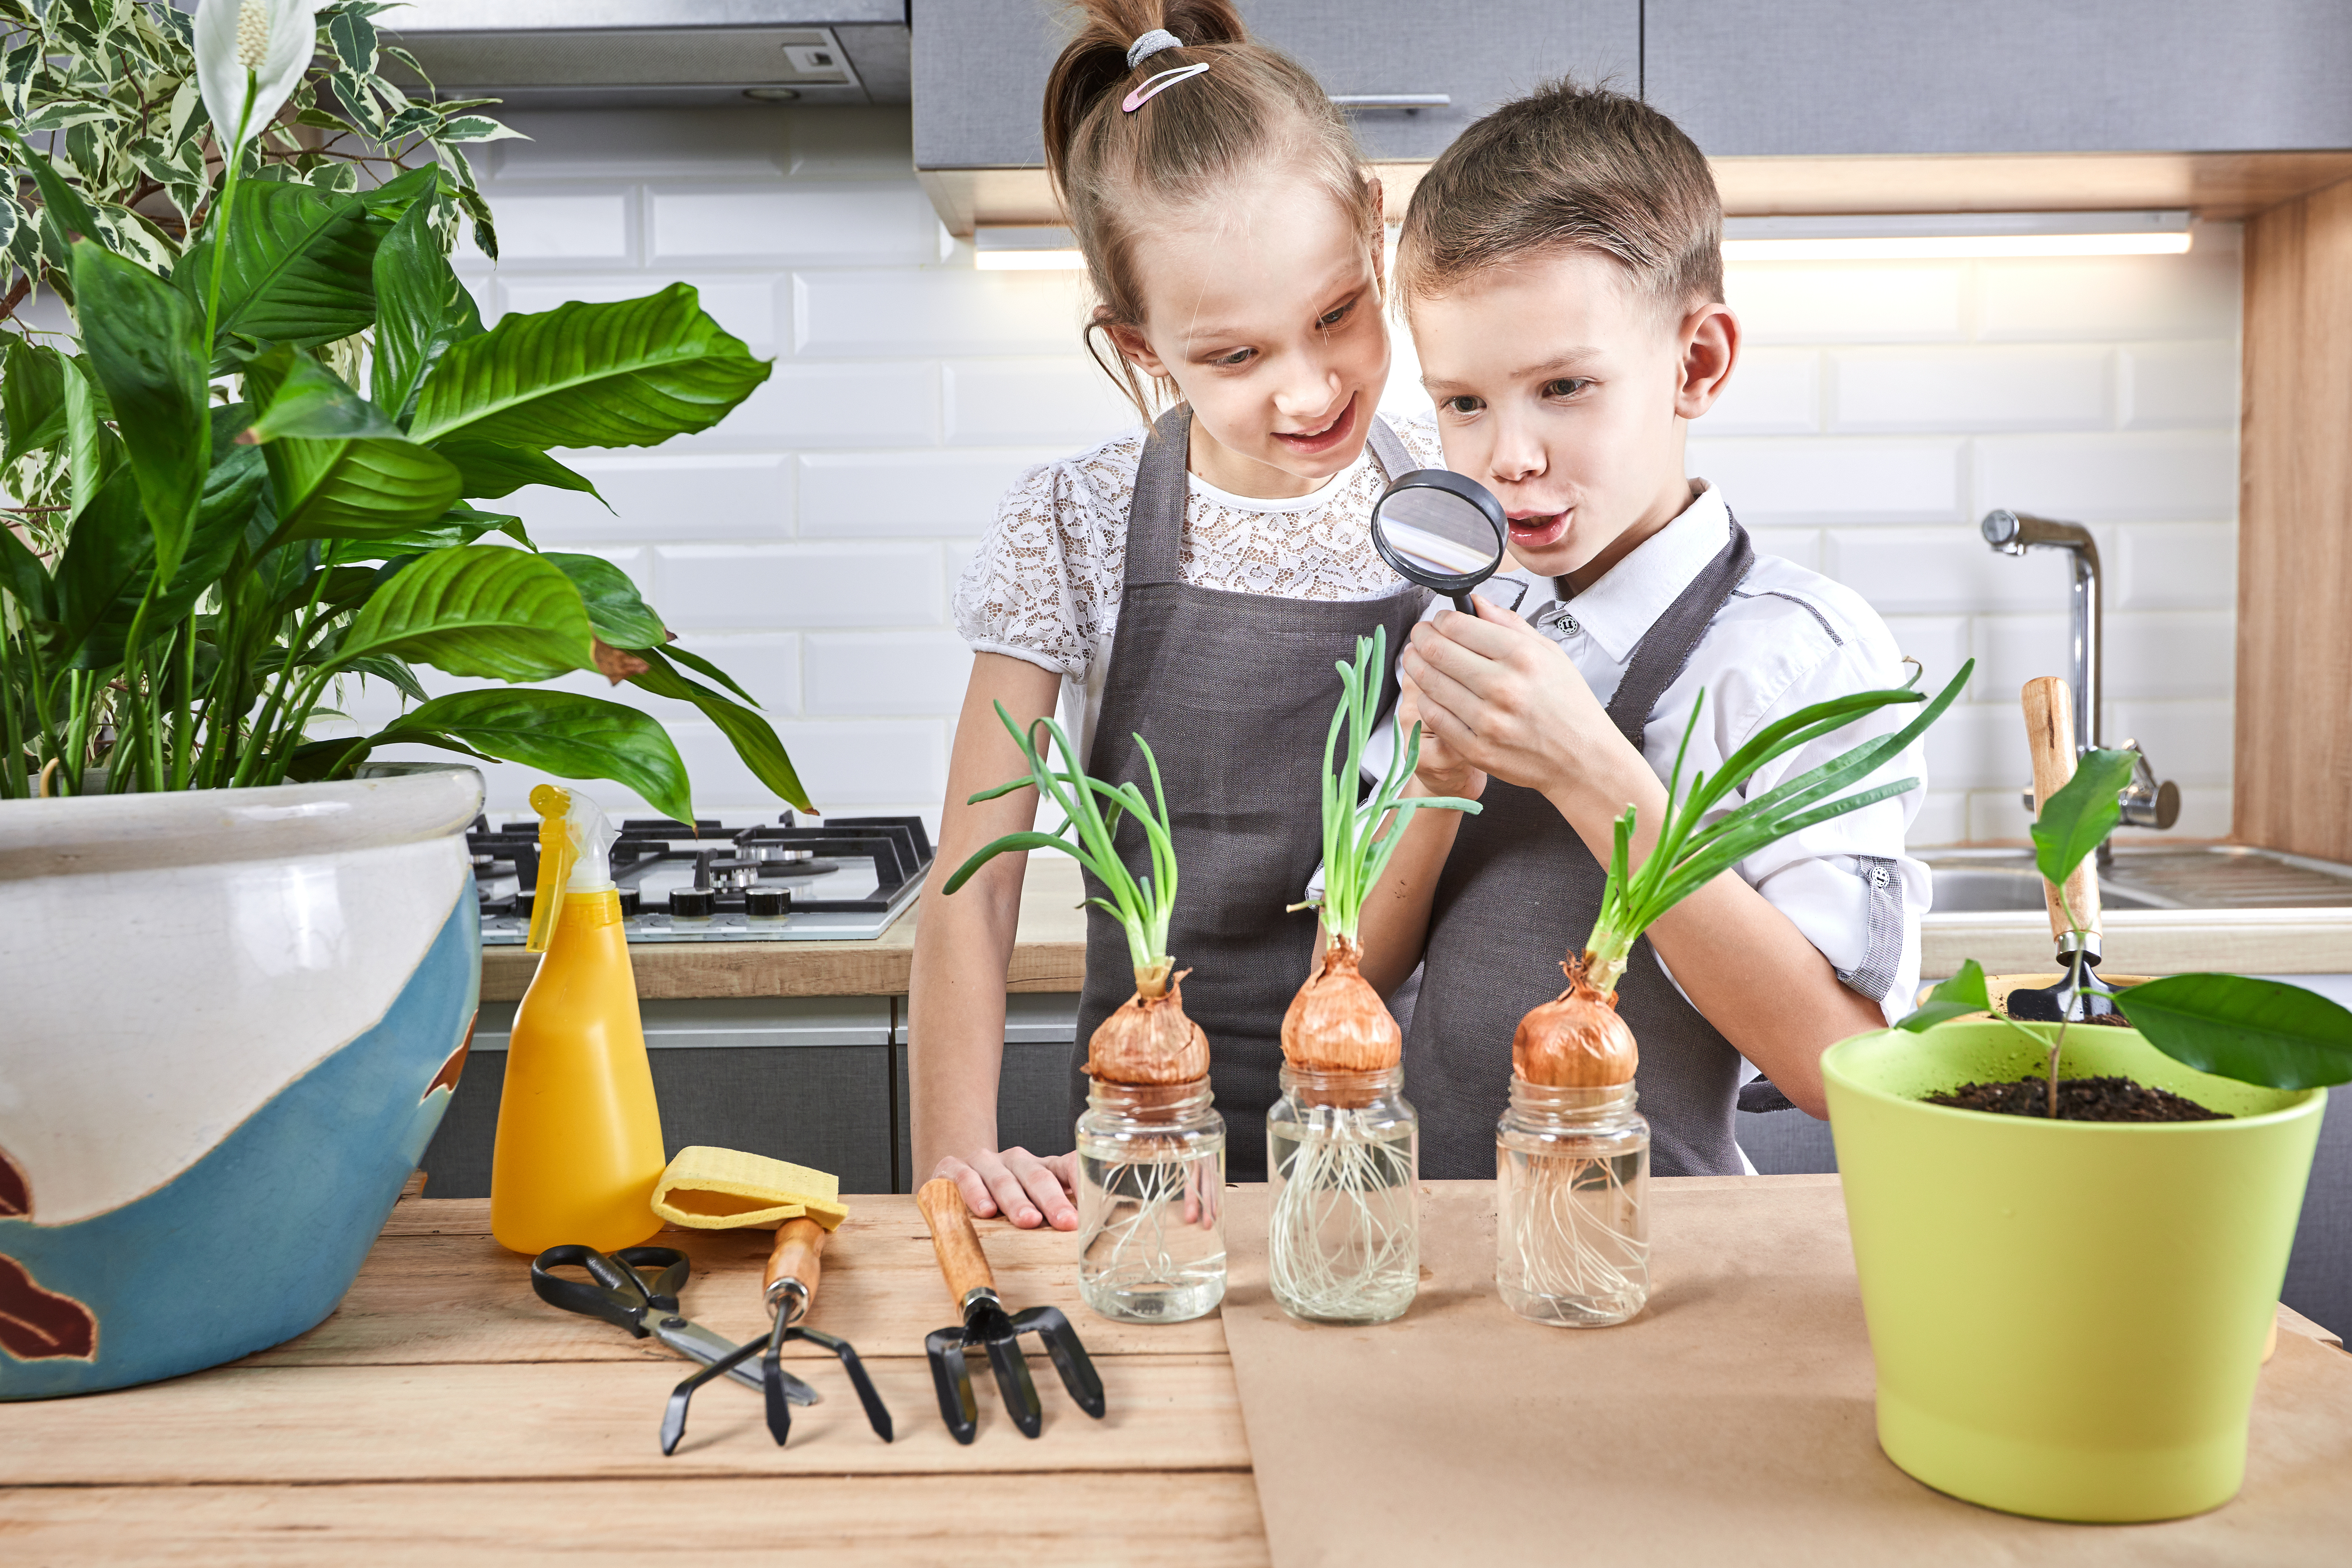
(1572, 1244)
(1148, 1038)
(1337, 1022)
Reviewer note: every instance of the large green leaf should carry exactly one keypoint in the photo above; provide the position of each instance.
(358, 486)
(294, 394)
(22, 574)
(630, 373)
(32, 397)
(109, 559)
(2077, 819)
(140, 338)
(561, 732)
(1957, 997)
(297, 268)
(479, 610)
(752, 737)
(2256, 1031)
(421, 310)
(620, 615)
(458, 525)
(490, 470)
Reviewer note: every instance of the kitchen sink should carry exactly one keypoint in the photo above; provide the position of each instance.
(2168, 877)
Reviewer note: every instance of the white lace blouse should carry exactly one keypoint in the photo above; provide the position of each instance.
(1045, 583)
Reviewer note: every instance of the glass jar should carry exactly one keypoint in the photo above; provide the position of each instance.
(1343, 1244)
(1151, 1211)
(1571, 1228)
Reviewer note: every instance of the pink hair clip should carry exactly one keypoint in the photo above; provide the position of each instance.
(1154, 85)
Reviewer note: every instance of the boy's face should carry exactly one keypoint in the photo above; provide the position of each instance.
(1566, 392)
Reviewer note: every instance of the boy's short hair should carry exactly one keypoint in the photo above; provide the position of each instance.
(1568, 167)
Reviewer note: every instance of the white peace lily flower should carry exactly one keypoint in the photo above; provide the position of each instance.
(261, 44)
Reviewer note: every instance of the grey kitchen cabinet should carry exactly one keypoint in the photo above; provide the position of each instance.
(805, 1079)
(980, 66)
(1817, 77)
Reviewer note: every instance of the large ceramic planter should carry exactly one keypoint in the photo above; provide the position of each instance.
(2067, 1318)
(229, 1023)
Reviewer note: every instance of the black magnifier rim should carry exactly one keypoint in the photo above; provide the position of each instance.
(1452, 484)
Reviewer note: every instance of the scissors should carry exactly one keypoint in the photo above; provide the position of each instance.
(618, 1291)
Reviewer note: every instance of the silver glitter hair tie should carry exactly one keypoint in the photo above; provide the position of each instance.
(1151, 44)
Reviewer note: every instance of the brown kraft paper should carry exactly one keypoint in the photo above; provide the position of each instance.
(1730, 1424)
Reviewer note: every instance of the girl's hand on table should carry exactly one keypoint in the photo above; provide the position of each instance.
(1023, 1188)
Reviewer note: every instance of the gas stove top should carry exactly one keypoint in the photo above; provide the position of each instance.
(844, 880)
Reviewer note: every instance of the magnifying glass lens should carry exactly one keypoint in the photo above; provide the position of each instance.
(1440, 533)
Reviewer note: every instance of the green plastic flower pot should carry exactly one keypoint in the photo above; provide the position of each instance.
(2068, 1317)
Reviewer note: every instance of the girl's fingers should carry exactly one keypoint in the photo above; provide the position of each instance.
(970, 1183)
(1043, 1185)
(1438, 687)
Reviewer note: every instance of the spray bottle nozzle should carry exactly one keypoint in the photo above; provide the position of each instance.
(575, 847)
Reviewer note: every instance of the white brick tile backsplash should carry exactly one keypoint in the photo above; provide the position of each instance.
(1772, 392)
(2167, 385)
(931, 313)
(659, 495)
(2172, 477)
(561, 226)
(887, 672)
(893, 404)
(1834, 480)
(758, 587)
(863, 495)
(2188, 743)
(2067, 388)
(1939, 570)
(810, 544)
(743, 304)
(1800, 302)
(2175, 566)
(597, 145)
(811, 224)
(2084, 299)
(996, 402)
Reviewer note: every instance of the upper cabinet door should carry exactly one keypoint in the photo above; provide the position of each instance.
(1828, 76)
(980, 64)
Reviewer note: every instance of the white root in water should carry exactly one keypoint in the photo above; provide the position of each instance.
(1347, 1186)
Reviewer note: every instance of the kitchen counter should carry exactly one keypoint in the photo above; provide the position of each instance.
(1049, 954)
(444, 1409)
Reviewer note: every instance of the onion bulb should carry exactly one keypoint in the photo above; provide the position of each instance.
(1338, 1023)
(1576, 1040)
(1147, 1039)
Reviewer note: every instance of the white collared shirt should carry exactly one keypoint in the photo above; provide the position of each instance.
(1788, 637)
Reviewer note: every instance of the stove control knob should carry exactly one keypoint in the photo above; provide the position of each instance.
(767, 903)
(629, 901)
(691, 904)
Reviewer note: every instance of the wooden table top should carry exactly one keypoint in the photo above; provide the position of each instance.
(444, 1410)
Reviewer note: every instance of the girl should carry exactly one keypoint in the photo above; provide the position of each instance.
(1194, 581)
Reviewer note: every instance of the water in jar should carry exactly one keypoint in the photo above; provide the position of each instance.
(1572, 1240)
(1344, 1243)
(1150, 1228)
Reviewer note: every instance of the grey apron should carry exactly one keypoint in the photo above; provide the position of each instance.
(1518, 893)
(1235, 691)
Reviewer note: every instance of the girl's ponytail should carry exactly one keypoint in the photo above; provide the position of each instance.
(1115, 168)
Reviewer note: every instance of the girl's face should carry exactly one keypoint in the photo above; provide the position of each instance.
(1265, 311)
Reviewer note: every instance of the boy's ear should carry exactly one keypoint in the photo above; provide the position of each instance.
(1710, 347)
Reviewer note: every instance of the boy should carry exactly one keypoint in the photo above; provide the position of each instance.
(1562, 269)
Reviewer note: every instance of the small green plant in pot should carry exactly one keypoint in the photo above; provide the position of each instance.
(2067, 1314)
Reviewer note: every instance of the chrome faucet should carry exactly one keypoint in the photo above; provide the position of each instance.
(2145, 802)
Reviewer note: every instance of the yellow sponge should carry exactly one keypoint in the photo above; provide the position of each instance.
(726, 1189)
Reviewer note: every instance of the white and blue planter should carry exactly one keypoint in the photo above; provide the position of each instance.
(230, 1021)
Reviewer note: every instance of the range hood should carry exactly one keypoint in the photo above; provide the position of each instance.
(579, 54)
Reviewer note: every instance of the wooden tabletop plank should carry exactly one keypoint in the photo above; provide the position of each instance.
(1146, 1520)
(555, 1421)
(438, 1288)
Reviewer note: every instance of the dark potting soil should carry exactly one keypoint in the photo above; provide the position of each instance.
(2079, 1099)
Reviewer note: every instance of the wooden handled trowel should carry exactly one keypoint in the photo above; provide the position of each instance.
(987, 1326)
(2050, 733)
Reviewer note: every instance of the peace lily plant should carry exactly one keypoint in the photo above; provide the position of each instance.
(227, 517)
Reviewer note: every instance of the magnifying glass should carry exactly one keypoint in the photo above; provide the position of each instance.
(1441, 530)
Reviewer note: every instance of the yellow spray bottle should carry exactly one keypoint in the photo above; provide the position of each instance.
(579, 1139)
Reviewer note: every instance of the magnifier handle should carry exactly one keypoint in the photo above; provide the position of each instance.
(1462, 603)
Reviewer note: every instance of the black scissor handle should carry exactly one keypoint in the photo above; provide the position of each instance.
(619, 1294)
